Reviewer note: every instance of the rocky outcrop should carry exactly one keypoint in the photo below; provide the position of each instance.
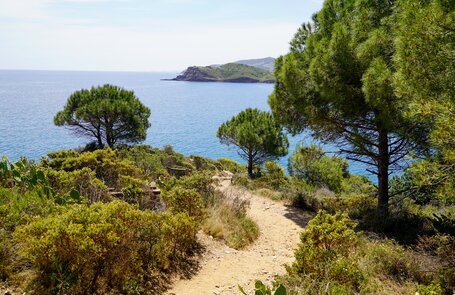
(231, 73)
(194, 74)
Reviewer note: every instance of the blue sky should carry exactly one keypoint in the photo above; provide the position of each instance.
(144, 35)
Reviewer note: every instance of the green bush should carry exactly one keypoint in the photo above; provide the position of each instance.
(201, 163)
(274, 176)
(332, 258)
(104, 247)
(201, 181)
(357, 184)
(83, 181)
(325, 238)
(231, 165)
(358, 206)
(182, 200)
(316, 168)
(301, 195)
(107, 165)
(148, 159)
(261, 289)
(271, 194)
(18, 208)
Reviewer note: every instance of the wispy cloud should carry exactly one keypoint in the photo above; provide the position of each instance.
(117, 35)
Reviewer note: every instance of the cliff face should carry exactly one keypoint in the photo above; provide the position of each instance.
(233, 73)
(194, 74)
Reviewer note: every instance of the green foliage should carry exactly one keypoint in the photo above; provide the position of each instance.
(347, 98)
(425, 68)
(107, 165)
(18, 208)
(83, 181)
(189, 201)
(332, 258)
(108, 114)
(326, 237)
(103, 247)
(316, 168)
(357, 184)
(261, 289)
(23, 174)
(230, 165)
(200, 181)
(202, 163)
(257, 136)
(150, 160)
(231, 72)
(274, 175)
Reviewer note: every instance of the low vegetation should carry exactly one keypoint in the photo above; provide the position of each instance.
(333, 258)
(85, 222)
(228, 221)
(346, 248)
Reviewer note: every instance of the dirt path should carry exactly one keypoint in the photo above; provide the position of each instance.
(223, 268)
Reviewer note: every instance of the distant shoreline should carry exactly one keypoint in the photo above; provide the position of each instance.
(222, 81)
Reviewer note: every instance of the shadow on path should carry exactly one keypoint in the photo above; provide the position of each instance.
(298, 216)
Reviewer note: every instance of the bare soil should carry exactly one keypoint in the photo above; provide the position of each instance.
(222, 269)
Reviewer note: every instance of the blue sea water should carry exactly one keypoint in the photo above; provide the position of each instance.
(185, 115)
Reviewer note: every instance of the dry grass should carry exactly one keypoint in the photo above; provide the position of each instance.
(228, 221)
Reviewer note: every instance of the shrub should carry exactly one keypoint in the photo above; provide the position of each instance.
(261, 289)
(104, 247)
(325, 237)
(333, 259)
(18, 208)
(316, 168)
(274, 176)
(182, 200)
(357, 184)
(201, 181)
(231, 165)
(202, 163)
(301, 195)
(358, 206)
(148, 159)
(83, 181)
(106, 163)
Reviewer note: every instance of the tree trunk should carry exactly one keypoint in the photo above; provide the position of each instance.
(250, 164)
(108, 126)
(99, 138)
(383, 174)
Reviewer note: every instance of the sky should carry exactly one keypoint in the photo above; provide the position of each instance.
(145, 35)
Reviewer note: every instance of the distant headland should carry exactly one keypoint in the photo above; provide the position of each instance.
(242, 71)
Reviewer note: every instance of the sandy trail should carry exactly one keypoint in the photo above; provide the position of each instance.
(223, 268)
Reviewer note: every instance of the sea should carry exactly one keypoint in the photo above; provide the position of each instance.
(185, 115)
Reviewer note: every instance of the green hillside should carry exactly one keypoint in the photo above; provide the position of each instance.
(235, 71)
(231, 72)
